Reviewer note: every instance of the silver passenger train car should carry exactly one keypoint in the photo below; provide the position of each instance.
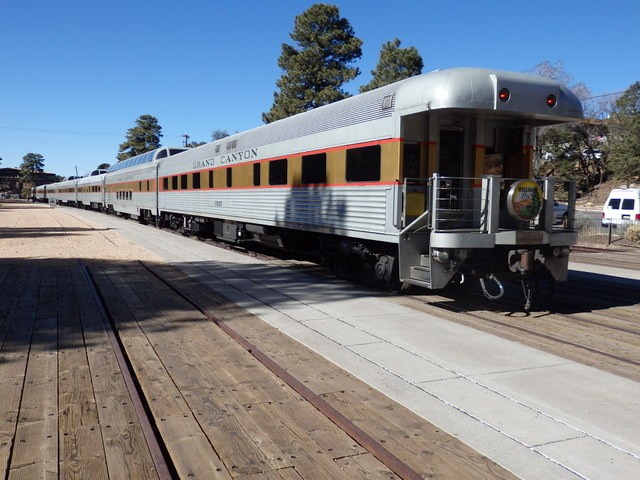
(427, 181)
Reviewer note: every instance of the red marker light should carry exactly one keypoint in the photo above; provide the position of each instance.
(504, 95)
(551, 101)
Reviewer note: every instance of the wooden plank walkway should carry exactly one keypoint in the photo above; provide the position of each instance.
(65, 411)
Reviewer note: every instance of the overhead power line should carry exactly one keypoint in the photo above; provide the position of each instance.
(605, 95)
(70, 132)
(46, 130)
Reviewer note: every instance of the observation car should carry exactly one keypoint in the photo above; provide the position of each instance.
(130, 186)
(425, 182)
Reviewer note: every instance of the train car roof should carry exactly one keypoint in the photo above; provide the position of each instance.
(479, 89)
(146, 157)
(448, 89)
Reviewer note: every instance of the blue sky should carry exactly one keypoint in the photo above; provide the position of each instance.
(76, 74)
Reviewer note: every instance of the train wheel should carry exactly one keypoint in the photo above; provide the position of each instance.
(175, 222)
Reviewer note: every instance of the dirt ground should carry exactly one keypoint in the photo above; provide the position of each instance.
(37, 231)
(598, 197)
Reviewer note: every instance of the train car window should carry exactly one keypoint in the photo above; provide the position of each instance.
(314, 168)
(148, 186)
(363, 164)
(165, 183)
(174, 182)
(278, 172)
(229, 177)
(196, 180)
(161, 154)
(183, 182)
(210, 178)
(256, 174)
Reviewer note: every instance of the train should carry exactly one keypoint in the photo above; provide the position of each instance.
(427, 181)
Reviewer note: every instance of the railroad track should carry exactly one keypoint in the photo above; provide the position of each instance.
(612, 257)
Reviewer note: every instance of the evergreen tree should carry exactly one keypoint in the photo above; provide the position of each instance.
(31, 167)
(315, 70)
(219, 134)
(395, 64)
(573, 146)
(624, 152)
(144, 137)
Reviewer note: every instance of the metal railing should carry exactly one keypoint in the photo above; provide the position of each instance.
(478, 204)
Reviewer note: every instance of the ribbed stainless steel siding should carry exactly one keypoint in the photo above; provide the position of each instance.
(348, 210)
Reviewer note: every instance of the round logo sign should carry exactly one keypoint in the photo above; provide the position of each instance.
(524, 200)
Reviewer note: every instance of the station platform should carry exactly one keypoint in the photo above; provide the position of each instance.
(534, 414)
(68, 410)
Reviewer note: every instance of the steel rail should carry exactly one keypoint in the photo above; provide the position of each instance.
(157, 454)
(390, 460)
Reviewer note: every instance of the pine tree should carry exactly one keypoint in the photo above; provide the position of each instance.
(395, 64)
(624, 153)
(219, 134)
(318, 66)
(31, 167)
(142, 138)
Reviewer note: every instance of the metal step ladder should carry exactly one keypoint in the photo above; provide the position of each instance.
(422, 273)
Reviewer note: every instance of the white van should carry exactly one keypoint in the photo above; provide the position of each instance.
(622, 207)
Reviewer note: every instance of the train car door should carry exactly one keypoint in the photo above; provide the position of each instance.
(451, 158)
(451, 164)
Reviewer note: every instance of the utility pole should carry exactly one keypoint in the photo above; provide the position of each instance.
(186, 139)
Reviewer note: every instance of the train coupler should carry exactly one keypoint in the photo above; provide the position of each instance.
(486, 292)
